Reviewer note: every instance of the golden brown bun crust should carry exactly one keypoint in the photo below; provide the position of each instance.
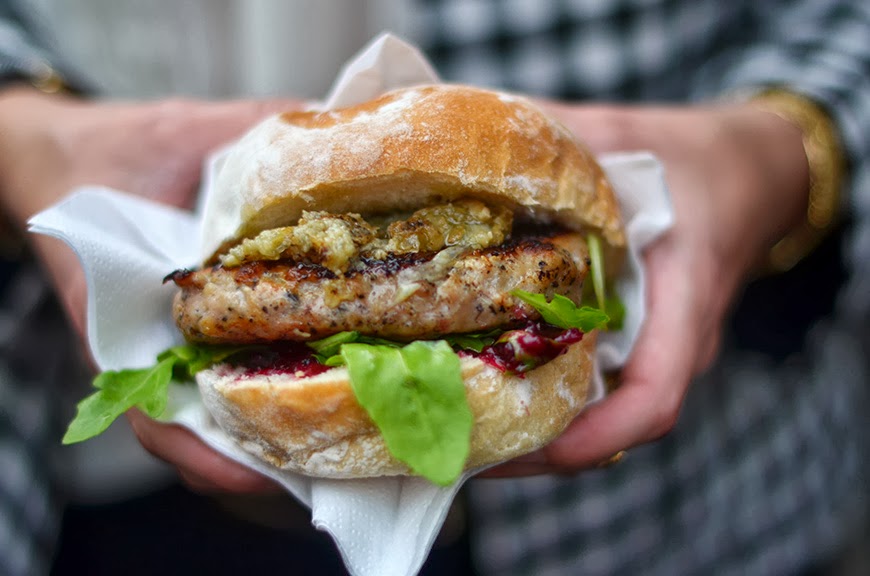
(408, 148)
(315, 426)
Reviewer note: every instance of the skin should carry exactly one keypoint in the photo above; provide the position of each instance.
(738, 179)
(49, 144)
(737, 175)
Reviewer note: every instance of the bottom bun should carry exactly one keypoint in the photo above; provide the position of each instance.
(316, 427)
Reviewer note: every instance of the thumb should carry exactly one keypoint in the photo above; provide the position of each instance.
(601, 127)
(230, 119)
(195, 130)
(654, 382)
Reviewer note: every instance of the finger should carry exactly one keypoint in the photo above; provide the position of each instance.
(196, 483)
(709, 350)
(203, 485)
(67, 276)
(231, 119)
(254, 110)
(196, 129)
(204, 468)
(601, 127)
(532, 464)
(655, 381)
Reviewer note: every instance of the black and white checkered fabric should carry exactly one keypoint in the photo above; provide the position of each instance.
(26, 48)
(35, 354)
(765, 472)
(36, 357)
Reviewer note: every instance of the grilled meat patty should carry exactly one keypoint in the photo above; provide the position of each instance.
(403, 297)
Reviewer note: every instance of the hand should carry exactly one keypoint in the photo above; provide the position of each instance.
(50, 144)
(738, 181)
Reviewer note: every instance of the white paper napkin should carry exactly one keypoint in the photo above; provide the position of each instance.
(383, 526)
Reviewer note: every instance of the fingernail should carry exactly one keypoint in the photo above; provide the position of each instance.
(615, 459)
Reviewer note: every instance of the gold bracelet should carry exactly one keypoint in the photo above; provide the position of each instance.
(826, 162)
(12, 240)
(48, 80)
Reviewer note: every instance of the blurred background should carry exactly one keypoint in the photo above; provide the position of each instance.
(217, 48)
(130, 49)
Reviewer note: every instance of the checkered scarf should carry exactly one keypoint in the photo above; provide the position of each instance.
(763, 473)
(35, 354)
(36, 358)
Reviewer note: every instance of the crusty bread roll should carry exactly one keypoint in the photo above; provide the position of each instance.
(406, 149)
(315, 425)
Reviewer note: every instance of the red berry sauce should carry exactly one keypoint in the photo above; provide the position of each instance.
(285, 358)
(519, 351)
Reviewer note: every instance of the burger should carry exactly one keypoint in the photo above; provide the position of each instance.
(397, 287)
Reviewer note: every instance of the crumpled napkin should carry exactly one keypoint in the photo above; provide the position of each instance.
(382, 526)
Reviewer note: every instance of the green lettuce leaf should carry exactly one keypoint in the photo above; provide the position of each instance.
(562, 312)
(145, 388)
(416, 397)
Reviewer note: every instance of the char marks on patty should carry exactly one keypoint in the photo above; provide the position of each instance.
(403, 297)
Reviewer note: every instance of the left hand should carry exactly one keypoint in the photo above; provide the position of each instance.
(51, 143)
(738, 180)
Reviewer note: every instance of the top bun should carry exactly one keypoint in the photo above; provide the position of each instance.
(406, 149)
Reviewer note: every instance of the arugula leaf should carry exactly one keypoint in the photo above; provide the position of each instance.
(476, 342)
(116, 393)
(146, 388)
(191, 359)
(327, 350)
(332, 361)
(596, 259)
(615, 309)
(416, 397)
(562, 312)
(328, 347)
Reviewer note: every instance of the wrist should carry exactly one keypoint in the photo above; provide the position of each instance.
(825, 174)
(12, 236)
(762, 162)
(28, 117)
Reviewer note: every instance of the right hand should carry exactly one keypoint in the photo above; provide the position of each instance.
(738, 180)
